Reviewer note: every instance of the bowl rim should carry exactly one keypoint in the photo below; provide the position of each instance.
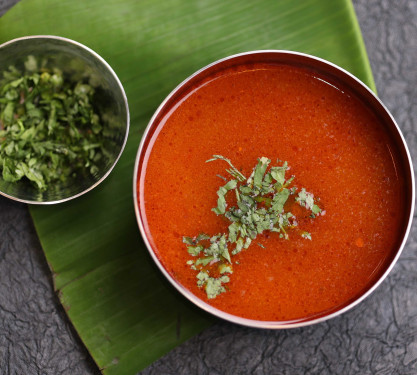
(301, 322)
(117, 80)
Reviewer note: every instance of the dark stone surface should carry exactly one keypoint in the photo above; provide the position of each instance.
(35, 335)
(377, 337)
(6, 5)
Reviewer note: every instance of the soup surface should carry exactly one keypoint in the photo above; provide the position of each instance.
(335, 148)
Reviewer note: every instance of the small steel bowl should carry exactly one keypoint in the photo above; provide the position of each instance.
(76, 61)
(334, 74)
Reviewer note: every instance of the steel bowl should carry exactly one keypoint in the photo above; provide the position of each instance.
(335, 74)
(76, 61)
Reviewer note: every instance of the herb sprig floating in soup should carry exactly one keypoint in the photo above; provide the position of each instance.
(260, 207)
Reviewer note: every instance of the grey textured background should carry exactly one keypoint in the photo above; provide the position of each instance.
(377, 337)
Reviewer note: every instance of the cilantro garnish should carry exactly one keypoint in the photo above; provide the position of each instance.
(260, 207)
(49, 130)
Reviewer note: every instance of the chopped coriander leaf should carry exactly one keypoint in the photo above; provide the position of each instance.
(225, 268)
(279, 200)
(213, 286)
(195, 250)
(202, 237)
(233, 171)
(259, 172)
(49, 130)
(306, 199)
(315, 209)
(278, 174)
(261, 200)
(204, 261)
(306, 235)
(221, 202)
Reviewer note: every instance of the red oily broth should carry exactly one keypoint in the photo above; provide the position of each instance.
(336, 149)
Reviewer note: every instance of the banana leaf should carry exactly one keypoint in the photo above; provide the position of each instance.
(126, 314)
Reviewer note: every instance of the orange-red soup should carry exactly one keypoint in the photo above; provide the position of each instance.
(337, 151)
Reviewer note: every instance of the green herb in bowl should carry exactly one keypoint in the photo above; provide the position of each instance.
(49, 129)
(64, 119)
